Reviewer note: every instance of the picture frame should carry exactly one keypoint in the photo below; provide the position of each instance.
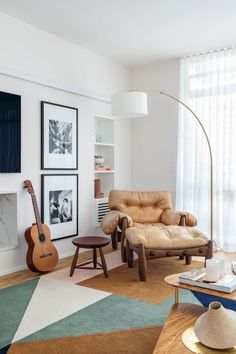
(59, 204)
(59, 137)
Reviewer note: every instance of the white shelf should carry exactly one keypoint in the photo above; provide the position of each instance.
(109, 171)
(103, 144)
(104, 130)
(103, 116)
(8, 192)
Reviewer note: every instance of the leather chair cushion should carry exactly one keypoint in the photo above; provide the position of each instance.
(142, 207)
(166, 237)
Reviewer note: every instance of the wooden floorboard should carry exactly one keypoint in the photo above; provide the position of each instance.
(23, 275)
(26, 274)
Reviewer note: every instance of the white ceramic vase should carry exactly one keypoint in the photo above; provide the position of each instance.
(216, 328)
(99, 160)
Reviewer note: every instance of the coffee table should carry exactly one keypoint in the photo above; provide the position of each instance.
(181, 317)
(174, 281)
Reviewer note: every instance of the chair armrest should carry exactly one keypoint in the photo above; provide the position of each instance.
(172, 217)
(112, 219)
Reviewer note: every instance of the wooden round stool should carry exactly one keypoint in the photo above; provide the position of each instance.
(92, 242)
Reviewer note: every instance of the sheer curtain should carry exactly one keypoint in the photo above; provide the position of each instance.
(208, 86)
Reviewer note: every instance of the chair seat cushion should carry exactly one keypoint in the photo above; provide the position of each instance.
(165, 237)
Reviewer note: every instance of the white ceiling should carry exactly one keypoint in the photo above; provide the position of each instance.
(133, 32)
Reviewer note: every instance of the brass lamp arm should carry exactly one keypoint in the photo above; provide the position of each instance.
(208, 143)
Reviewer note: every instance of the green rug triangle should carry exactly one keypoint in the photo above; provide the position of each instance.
(113, 313)
(13, 303)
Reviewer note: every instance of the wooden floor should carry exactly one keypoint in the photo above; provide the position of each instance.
(23, 275)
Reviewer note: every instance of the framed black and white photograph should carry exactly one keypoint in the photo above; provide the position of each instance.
(59, 137)
(59, 204)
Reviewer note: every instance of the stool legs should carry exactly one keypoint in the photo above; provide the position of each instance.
(104, 266)
(73, 264)
(95, 262)
(95, 258)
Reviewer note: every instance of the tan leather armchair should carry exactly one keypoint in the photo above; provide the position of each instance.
(150, 227)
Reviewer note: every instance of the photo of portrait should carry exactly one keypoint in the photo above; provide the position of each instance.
(60, 137)
(60, 206)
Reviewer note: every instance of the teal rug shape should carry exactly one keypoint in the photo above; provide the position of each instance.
(113, 313)
(13, 303)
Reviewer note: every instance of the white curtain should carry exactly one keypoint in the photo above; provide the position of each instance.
(208, 86)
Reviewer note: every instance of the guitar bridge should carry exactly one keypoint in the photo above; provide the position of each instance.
(45, 255)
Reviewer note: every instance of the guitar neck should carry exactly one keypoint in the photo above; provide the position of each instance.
(36, 213)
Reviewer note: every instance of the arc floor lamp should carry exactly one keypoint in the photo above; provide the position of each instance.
(133, 104)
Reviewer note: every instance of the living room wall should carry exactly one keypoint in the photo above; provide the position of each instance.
(154, 139)
(37, 56)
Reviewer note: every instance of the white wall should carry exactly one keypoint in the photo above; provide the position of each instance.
(32, 51)
(41, 55)
(154, 139)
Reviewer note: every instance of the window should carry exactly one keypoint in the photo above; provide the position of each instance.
(208, 86)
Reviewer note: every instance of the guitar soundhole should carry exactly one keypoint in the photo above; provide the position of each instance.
(42, 237)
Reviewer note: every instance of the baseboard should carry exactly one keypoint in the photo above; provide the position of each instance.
(13, 270)
(24, 266)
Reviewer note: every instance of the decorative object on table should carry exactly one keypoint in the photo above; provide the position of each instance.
(221, 260)
(42, 255)
(10, 133)
(90, 242)
(98, 189)
(191, 342)
(59, 203)
(197, 277)
(133, 212)
(99, 164)
(212, 270)
(59, 137)
(217, 327)
(133, 104)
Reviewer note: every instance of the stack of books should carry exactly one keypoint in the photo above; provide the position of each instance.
(102, 168)
(197, 277)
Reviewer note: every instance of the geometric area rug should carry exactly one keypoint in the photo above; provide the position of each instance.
(51, 316)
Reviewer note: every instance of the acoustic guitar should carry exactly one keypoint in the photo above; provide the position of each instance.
(42, 255)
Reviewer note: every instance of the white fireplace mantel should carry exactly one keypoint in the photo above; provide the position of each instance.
(8, 220)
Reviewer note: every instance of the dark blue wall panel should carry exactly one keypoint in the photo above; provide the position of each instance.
(10, 132)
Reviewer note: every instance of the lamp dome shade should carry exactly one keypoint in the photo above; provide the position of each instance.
(129, 104)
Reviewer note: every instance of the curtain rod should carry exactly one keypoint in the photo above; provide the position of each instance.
(209, 52)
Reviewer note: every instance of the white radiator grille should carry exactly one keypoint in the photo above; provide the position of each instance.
(101, 209)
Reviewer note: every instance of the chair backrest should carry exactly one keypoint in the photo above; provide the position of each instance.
(142, 207)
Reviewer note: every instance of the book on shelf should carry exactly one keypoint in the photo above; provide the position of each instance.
(196, 277)
(103, 168)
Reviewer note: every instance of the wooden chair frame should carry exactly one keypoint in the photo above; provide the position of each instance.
(145, 254)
